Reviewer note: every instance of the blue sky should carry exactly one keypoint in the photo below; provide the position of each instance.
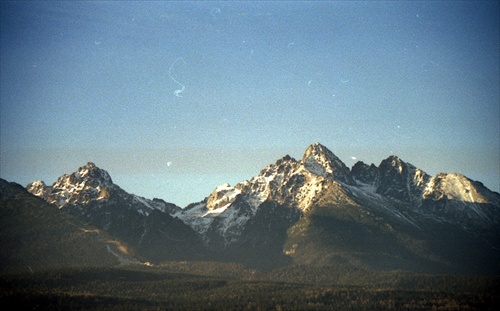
(175, 98)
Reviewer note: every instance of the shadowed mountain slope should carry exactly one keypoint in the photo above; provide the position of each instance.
(36, 235)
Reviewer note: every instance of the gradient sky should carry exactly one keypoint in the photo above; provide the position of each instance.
(175, 98)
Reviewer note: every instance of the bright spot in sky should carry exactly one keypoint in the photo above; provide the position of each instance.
(169, 163)
(354, 158)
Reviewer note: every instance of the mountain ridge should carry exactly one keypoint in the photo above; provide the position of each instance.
(145, 224)
(284, 214)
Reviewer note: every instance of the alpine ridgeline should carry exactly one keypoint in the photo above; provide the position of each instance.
(315, 211)
(145, 225)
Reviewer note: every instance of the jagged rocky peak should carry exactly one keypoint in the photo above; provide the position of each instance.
(39, 189)
(86, 177)
(393, 166)
(320, 161)
(91, 186)
(221, 196)
(455, 186)
(282, 167)
(456, 197)
(401, 180)
(395, 162)
(87, 184)
(364, 173)
(272, 178)
(91, 171)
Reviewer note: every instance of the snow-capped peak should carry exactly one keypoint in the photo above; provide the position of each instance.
(38, 188)
(90, 170)
(222, 196)
(320, 161)
(454, 186)
(288, 182)
(90, 185)
(87, 184)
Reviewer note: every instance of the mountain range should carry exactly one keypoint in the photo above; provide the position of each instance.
(313, 212)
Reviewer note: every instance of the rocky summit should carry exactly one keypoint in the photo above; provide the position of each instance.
(313, 211)
(146, 225)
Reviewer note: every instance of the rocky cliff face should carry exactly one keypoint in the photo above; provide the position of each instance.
(320, 161)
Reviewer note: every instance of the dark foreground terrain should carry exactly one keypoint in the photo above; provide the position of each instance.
(212, 286)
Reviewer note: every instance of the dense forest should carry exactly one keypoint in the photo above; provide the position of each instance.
(216, 286)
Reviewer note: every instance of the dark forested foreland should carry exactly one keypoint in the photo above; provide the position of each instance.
(217, 286)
